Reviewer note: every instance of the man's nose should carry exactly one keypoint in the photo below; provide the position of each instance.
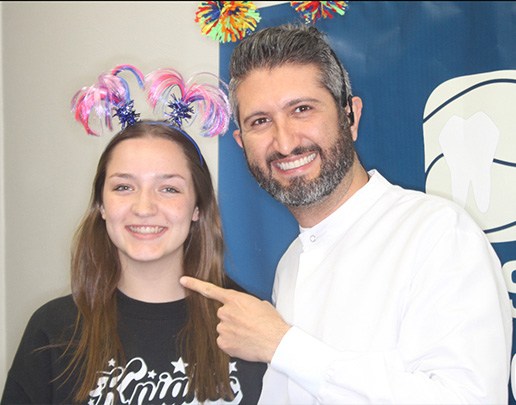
(286, 137)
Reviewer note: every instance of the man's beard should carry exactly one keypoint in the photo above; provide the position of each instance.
(335, 164)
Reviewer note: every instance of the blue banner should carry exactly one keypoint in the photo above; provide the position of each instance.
(424, 70)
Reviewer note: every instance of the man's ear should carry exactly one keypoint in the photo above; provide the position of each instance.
(237, 135)
(357, 113)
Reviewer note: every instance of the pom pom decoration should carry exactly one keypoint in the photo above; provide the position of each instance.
(227, 21)
(214, 111)
(311, 11)
(109, 96)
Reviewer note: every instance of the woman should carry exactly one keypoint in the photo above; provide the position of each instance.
(129, 333)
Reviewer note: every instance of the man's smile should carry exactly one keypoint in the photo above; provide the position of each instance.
(296, 163)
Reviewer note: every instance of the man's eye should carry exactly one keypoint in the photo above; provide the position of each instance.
(303, 108)
(259, 121)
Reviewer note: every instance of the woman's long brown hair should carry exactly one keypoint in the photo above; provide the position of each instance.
(95, 273)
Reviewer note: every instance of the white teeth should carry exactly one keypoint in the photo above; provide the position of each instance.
(296, 163)
(146, 229)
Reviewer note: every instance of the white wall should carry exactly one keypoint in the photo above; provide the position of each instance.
(2, 226)
(49, 51)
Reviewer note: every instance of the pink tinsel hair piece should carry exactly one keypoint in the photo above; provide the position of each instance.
(109, 96)
(213, 108)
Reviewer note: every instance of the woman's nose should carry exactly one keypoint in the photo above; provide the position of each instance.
(144, 204)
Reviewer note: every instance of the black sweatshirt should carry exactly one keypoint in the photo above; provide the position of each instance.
(154, 372)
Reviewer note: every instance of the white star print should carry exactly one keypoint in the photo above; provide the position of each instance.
(179, 365)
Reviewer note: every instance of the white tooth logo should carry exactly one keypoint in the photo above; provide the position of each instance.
(469, 148)
(469, 128)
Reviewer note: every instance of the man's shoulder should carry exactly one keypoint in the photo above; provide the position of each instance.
(430, 211)
(418, 200)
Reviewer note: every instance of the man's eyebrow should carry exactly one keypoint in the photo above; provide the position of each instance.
(288, 104)
(301, 100)
(253, 115)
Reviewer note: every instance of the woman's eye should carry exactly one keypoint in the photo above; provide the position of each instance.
(122, 187)
(170, 190)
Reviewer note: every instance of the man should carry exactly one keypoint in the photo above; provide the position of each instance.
(387, 295)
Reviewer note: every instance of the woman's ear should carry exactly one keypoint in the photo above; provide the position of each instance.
(195, 216)
(102, 212)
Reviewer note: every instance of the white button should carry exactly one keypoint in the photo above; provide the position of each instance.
(313, 238)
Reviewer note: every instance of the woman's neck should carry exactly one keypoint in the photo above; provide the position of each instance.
(152, 282)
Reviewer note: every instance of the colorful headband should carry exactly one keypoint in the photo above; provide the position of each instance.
(110, 97)
(212, 102)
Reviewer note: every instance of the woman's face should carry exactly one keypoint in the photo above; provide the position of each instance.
(149, 201)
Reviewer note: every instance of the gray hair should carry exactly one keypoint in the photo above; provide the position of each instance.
(288, 44)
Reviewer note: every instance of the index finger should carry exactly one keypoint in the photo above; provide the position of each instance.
(205, 288)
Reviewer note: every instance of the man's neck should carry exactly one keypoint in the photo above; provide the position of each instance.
(315, 213)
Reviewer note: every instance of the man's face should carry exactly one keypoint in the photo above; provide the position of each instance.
(296, 146)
